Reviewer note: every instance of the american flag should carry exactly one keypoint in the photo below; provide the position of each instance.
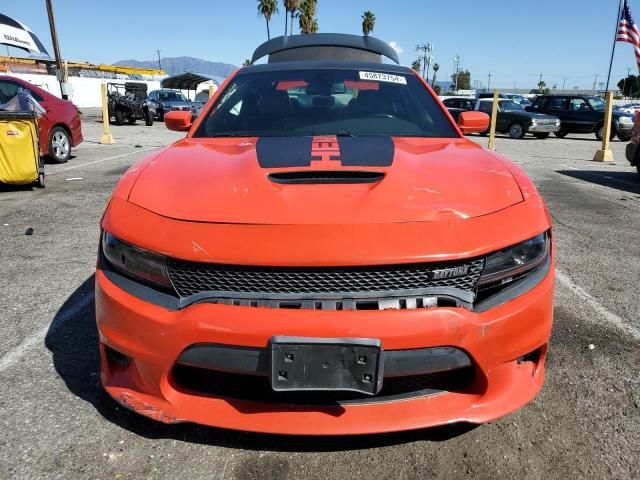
(628, 31)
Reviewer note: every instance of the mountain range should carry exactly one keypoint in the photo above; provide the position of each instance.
(176, 65)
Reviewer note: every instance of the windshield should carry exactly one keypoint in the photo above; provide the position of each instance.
(171, 97)
(510, 106)
(596, 103)
(325, 102)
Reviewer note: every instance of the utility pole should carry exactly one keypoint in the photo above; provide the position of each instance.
(489, 82)
(540, 81)
(425, 58)
(564, 82)
(595, 80)
(159, 63)
(456, 65)
(61, 73)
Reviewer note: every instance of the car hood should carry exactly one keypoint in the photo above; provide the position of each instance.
(537, 116)
(227, 180)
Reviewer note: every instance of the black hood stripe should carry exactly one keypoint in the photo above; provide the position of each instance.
(283, 152)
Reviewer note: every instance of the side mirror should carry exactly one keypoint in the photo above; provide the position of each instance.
(473, 122)
(178, 121)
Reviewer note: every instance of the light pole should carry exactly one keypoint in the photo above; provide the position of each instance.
(456, 67)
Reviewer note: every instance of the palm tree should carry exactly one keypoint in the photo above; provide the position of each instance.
(436, 67)
(246, 63)
(416, 65)
(368, 22)
(291, 7)
(307, 16)
(267, 8)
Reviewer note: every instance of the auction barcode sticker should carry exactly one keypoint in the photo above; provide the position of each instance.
(383, 77)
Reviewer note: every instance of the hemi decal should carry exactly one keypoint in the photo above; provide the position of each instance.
(325, 149)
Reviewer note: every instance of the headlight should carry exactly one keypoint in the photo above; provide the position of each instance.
(557, 123)
(513, 261)
(534, 122)
(134, 261)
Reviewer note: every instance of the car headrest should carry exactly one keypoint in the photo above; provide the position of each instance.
(275, 102)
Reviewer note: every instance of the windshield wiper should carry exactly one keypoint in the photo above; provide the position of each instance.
(345, 133)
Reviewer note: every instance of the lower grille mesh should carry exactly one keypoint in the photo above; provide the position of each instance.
(258, 389)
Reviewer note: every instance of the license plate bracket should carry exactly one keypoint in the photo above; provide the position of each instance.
(326, 364)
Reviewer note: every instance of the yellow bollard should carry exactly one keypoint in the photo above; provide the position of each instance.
(605, 154)
(494, 119)
(106, 138)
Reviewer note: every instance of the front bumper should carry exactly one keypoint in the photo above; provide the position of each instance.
(624, 128)
(153, 338)
(544, 128)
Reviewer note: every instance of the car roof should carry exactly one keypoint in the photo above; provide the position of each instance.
(324, 64)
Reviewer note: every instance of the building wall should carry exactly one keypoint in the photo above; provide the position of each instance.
(86, 91)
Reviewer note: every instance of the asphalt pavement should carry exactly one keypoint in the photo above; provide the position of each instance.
(56, 421)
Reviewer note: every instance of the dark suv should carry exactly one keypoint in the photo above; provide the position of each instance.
(582, 114)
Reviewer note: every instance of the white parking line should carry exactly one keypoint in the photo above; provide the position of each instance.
(14, 355)
(101, 160)
(613, 319)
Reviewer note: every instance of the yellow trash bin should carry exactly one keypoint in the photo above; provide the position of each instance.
(20, 161)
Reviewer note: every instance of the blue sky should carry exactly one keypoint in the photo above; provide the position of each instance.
(514, 41)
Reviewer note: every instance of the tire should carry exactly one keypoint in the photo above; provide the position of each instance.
(131, 121)
(560, 134)
(119, 117)
(148, 118)
(624, 137)
(516, 131)
(541, 135)
(160, 116)
(600, 133)
(40, 181)
(59, 145)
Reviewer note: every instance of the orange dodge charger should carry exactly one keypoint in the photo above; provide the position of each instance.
(324, 253)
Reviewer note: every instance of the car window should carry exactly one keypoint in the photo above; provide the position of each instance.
(8, 90)
(597, 103)
(486, 107)
(313, 102)
(510, 106)
(557, 104)
(171, 97)
(577, 105)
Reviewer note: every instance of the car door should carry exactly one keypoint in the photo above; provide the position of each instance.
(486, 107)
(581, 117)
(557, 106)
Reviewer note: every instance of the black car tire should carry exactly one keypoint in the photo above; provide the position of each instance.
(59, 145)
(560, 134)
(160, 116)
(600, 133)
(119, 117)
(541, 135)
(148, 118)
(624, 137)
(40, 181)
(517, 131)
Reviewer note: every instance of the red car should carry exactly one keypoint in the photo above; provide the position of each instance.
(60, 127)
(324, 254)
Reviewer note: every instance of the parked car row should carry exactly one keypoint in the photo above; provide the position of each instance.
(557, 114)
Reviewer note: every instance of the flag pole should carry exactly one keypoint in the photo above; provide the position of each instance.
(613, 47)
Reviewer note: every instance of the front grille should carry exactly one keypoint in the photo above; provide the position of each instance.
(546, 121)
(258, 389)
(390, 286)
